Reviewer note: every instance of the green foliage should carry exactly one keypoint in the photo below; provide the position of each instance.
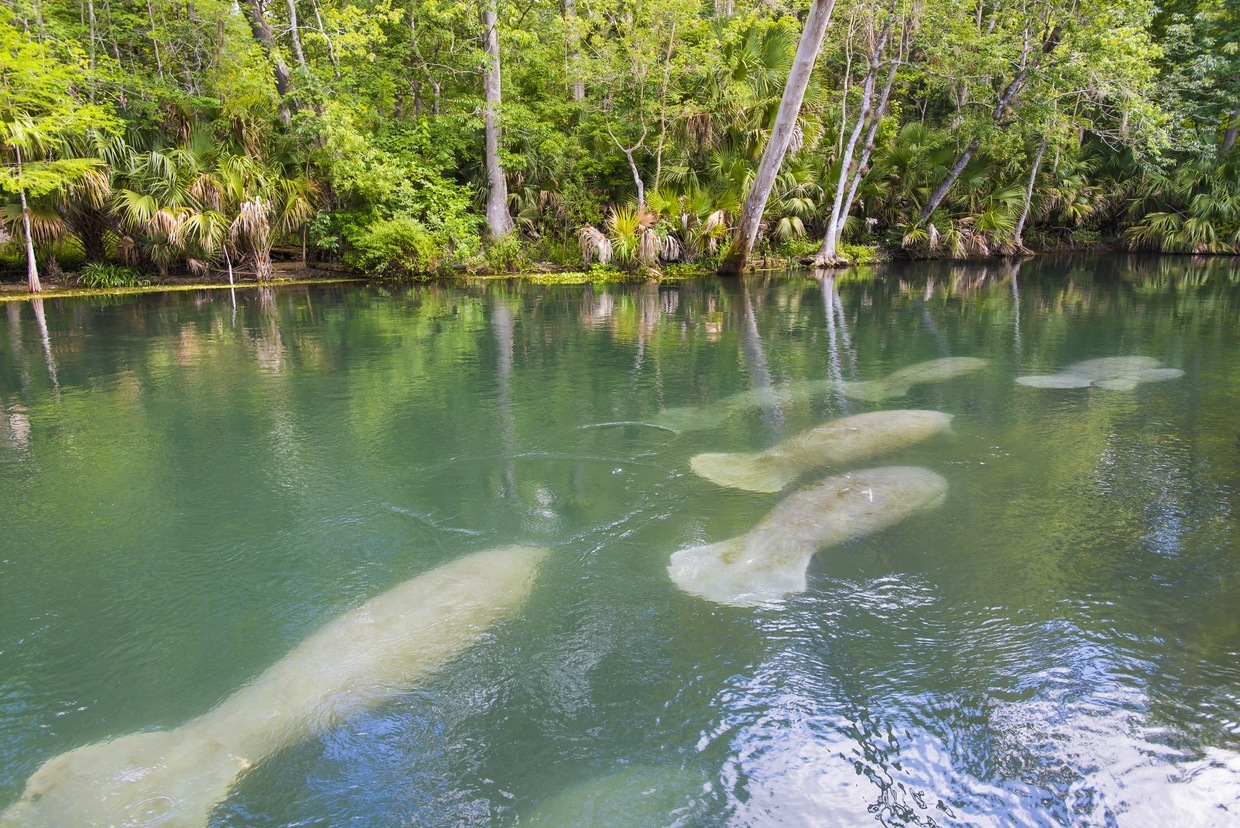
(394, 248)
(97, 275)
(190, 139)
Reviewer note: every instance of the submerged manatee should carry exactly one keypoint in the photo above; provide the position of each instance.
(693, 418)
(836, 443)
(898, 383)
(1110, 373)
(770, 560)
(636, 797)
(357, 661)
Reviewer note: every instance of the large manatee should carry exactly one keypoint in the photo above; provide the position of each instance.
(837, 443)
(770, 560)
(1111, 373)
(357, 661)
(898, 383)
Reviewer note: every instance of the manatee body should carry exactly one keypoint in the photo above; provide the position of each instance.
(837, 443)
(359, 660)
(898, 383)
(1110, 373)
(770, 560)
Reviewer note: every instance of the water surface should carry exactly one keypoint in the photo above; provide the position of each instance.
(191, 490)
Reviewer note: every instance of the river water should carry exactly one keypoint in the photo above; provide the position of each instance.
(191, 489)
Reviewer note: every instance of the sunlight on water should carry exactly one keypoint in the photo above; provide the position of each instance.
(191, 495)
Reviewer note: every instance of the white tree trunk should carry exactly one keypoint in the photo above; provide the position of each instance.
(1018, 233)
(746, 232)
(826, 254)
(499, 223)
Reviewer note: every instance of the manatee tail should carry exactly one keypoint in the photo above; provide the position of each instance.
(751, 472)
(174, 777)
(736, 572)
(873, 390)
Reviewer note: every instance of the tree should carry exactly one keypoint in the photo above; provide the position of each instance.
(40, 108)
(499, 221)
(746, 231)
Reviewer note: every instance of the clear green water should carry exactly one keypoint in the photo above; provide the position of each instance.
(189, 492)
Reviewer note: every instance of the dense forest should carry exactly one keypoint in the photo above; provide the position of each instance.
(142, 137)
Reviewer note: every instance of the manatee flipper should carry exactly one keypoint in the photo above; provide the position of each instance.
(754, 472)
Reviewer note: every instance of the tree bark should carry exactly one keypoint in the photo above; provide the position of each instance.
(1229, 137)
(1018, 233)
(746, 232)
(826, 253)
(296, 35)
(574, 50)
(32, 268)
(499, 223)
(868, 150)
(262, 33)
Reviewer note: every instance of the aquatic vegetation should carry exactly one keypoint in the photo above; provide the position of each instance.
(1110, 373)
(836, 443)
(770, 560)
(898, 383)
(355, 662)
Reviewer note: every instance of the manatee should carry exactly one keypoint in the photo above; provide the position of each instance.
(694, 418)
(1109, 373)
(357, 661)
(636, 797)
(836, 443)
(770, 561)
(898, 383)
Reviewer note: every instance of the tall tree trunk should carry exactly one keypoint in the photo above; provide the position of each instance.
(32, 269)
(880, 111)
(746, 232)
(826, 254)
(262, 33)
(499, 222)
(1229, 137)
(295, 34)
(1018, 233)
(574, 50)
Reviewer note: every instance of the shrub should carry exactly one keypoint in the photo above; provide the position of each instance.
(96, 275)
(393, 248)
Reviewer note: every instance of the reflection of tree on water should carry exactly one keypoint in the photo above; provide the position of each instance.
(760, 378)
(15, 342)
(41, 321)
(831, 305)
(502, 325)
